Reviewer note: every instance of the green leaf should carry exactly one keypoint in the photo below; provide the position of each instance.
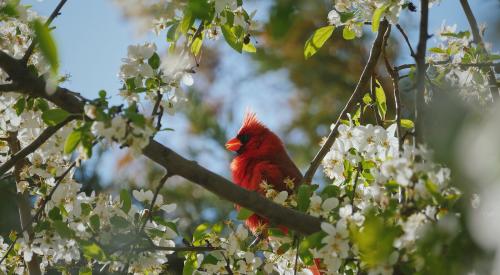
(47, 44)
(63, 230)
(377, 14)
(348, 33)
(406, 123)
(186, 23)
(312, 241)
(209, 259)
(95, 222)
(196, 45)
(367, 99)
(190, 264)
(283, 248)
(55, 214)
(72, 141)
(231, 37)
(102, 94)
(250, 48)
(317, 39)
(41, 104)
(85, 270)
(20, 105)
(172, 34)
(381, 100)
(154, 61)
(244, 214)
(200, 231)
(304, 197)
(120, 222)
(92, 250)
(126, 200)
(54, 116)
(437, 50)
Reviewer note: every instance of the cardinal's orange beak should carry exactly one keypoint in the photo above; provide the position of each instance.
(234, 144)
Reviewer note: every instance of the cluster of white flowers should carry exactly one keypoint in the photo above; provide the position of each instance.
(449, 61)
(96, 226)
(371, 173)
(353, 14)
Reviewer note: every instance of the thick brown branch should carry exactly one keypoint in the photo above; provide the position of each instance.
(8, 87)
(23, 202)
(174, 163)
(44, 136)
(421, 68)
(355, 98)
(476, 35)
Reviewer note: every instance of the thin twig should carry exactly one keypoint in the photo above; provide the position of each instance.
(445, 62)
(476, 36)
(51, 18)
(153, 201)
(421, 67)
(395, 84)
(39, 141)
(355, 98)
(401, 30)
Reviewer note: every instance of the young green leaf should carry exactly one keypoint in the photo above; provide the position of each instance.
(72, 141)
(54, 116)
(381, 100)
(348, 33)
(406, 123)
(126, 200)
(47, 44)
(196, 45)
(231, 37)
(154, 61)
(304, 197)
(92, 250)
(377, 14)
(317, 39)
(20, 105)
(250, 48)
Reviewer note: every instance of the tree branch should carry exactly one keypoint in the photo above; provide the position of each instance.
(412, 52)
(395, 84)
(51, 18)
(355, 98)
(421, 67)
(23, 203)
(174, 163)
(8, 87)
(476, 35)
(445, 62)
(44, 136)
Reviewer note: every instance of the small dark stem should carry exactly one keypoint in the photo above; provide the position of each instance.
(412, 52)
(153, 201)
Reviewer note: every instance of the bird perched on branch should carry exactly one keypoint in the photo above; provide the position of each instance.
(261, 157)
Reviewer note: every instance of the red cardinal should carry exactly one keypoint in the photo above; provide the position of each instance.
(261, 156)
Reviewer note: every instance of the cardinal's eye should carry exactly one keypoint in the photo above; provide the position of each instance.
(244, 138)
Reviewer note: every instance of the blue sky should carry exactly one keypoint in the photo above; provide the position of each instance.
(92, 38)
